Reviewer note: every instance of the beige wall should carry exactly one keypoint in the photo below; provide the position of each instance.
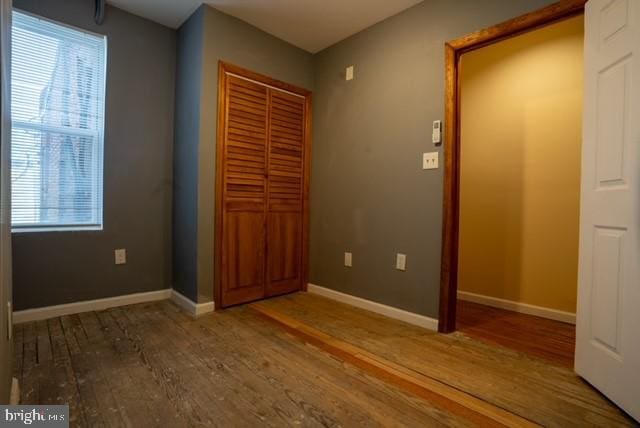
(521, 137)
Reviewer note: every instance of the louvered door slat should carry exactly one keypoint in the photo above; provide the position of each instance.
(279, 112)
(286, 141)
(282, 132)
(248, 117)
(277, 147)
(289, 124)
(279, 105)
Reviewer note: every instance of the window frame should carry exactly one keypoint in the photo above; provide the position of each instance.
(99, 135)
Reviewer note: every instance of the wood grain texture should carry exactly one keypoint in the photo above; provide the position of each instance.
(262, 177)
(551, 340)
(244, 191)
(261, 78)
(219, 189)
(532, 388)
(450, 399)
(564, 9)
(152, 365)
(286, 178)
(451, 192)
(527, 22)
(308, 125)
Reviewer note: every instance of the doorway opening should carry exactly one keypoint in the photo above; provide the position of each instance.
(521, 138)
(512, 183)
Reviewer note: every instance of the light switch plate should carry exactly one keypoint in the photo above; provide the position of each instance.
(121, 256)
(430, 160)
(349, 73)
(348, 259)
(401, 261)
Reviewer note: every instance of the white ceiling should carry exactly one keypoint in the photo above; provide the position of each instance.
(309, 24)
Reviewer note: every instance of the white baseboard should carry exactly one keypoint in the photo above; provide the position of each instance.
(14, 398)
(391, 312)
(523, 308)
(193, 308)
(88, 306)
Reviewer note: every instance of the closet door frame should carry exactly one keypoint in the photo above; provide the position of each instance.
(224, 70)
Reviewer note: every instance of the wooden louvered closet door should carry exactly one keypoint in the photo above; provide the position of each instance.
(245, 192)
(285, 165)
(261, 197)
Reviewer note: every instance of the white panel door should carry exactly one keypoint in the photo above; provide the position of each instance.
(608, 319)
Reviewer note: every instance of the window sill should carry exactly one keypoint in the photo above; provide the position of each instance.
(56, 229)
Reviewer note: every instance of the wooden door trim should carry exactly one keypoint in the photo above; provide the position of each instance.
(451, 197)
(306, 189)
(225, 69)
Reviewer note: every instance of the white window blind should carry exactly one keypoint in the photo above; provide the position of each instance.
(57, 135)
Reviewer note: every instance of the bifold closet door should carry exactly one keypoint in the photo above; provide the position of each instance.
(261, 189)
(244, 192)
(286, 189)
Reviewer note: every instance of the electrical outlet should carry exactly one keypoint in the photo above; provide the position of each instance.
(401, 261)
(121, 256)
(349, 73)
(348, 259)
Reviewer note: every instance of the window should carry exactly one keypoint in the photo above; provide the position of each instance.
(57, 135)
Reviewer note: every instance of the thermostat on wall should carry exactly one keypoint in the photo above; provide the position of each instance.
(436, 136)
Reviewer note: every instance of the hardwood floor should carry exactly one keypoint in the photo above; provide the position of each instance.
(152, 365)
(551, 340)
(547, 394)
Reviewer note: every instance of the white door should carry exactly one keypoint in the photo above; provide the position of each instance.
(608, 319)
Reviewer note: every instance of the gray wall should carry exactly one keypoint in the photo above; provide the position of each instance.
(369, 194)
(6, 354)
(185, 155)
(60, 267)
(229, 39)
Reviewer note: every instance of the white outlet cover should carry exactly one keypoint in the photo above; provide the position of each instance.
(121, 256)
(349, 73)
(348, 259)
(401, 261)
(430, 160)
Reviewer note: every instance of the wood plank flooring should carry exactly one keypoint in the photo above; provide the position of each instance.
(152, 365)
(547, 394)
(548, 339)
(458, 402)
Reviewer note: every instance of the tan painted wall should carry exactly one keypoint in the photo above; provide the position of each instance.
(520, 181)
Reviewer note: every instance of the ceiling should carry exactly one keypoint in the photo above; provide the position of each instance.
(309, 24)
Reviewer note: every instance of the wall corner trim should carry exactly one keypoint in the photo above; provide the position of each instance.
(379, 308)
(47, 312)
(191, 307)
(523, 308)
